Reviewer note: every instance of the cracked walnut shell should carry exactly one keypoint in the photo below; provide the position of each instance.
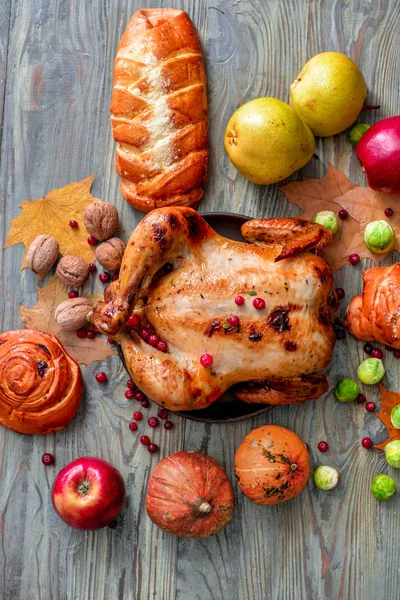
(72, 270)
(72, 314)
(101, 220)
(110, 253)
(42, 254)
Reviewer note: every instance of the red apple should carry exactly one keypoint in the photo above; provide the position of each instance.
(88, 493)
(379, 154)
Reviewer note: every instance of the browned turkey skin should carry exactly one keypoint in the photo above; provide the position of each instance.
(280, 349)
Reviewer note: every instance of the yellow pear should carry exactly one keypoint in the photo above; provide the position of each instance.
(266, 140)
(329, 93)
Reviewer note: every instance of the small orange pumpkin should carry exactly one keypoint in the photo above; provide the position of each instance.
(272, 465)
(189, 495)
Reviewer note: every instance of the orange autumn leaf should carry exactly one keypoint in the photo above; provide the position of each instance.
(41, 317)
(335, 192)
(52, 215)
(388, 401)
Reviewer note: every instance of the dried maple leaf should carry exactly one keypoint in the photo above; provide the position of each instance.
(41, 317)
(388, 401)
(51, 215)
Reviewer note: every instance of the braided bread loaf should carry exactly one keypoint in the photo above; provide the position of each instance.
(159, 110)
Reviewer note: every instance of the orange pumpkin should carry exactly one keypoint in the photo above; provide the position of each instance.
(272, 465)
(189, 495)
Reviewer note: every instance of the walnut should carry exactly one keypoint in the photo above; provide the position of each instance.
(72, 314)
(72, 270)
(110, 253)
(42, 254)
(101, 220)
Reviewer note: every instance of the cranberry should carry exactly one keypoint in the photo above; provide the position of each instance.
(377, 353)
(90, 334)
(361, 398)
(340, 334)
(152, 448)
(104, 277)
(113, 524)
(96, 329)
(354, 259)
(368, 348)
(144, 334)
(206, 360)
(239, 300)
(340, 293)
(129, 394)
(73, 294)
(396, 353)
(343, 214)
(145, 403)
(259, 303)
(233, 321)
(47, 459)
(153, 422)
(92, 268)
(145, 440)
(101, 377)
(389, 212)
(81, 334)
(163, 413)
(137, 416)
(168, 425)
(91, 240)
(133, 321)
(130, 384)
(153, 340)
(111, 341)
(139, 396)
(73, 224)
(370, 406)
(133, 426)
(323, 446)
(367, 443)
(115, 277)
(162, 346)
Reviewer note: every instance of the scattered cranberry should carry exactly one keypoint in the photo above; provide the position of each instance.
(144, 334)
(91, 240)
(113, 524)
(145, 403)
(96, 329)
(145, 440)
(73, 294)
(115, 277)
(137, 416)
(168, 425)
(354, 259)
(101, 377)
(389, 212)
(47, 459)
(361, 398)
(130, 384)
(90, 334)
(367, 443)
(139, 396)
(396, 353)
(153, 340)
(323, 446)
(73, 224)
(153, 422)
(233, 321)
(377, 353)
(343, 214)
(162, 346)
(133, 426)
(340, 293)
(163, 413)
(206, 360)
(104, 277)
(111, 341)
(81, 334)
(259, 303)
(239, 300)
(152, 448)
(368, 348)
(129, 394)
(370, 406)
(340, 334)
(133, 321)
(92, 268)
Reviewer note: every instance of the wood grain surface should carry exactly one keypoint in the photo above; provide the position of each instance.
(55, 87)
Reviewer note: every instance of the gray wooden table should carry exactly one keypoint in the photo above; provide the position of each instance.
(55, 85)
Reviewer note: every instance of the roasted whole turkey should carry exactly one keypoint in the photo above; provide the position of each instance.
(181, 279)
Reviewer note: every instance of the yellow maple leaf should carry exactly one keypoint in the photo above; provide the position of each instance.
(41, 317)
(52, 215)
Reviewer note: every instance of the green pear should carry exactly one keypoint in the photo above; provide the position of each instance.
(266, 140)
(329, 93)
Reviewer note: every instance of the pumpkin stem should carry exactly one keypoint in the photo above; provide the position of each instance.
(202, 509)
(205, 507)
(293, 467)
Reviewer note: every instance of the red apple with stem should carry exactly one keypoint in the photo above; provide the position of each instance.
(88, 493)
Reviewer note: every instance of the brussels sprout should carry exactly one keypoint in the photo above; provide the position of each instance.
(371, 371)
(379, 237)
(328, 219)
(395, 416)
(326, 478)
(356, 132)
(346, 390)
(392, 453)
(383, 487)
